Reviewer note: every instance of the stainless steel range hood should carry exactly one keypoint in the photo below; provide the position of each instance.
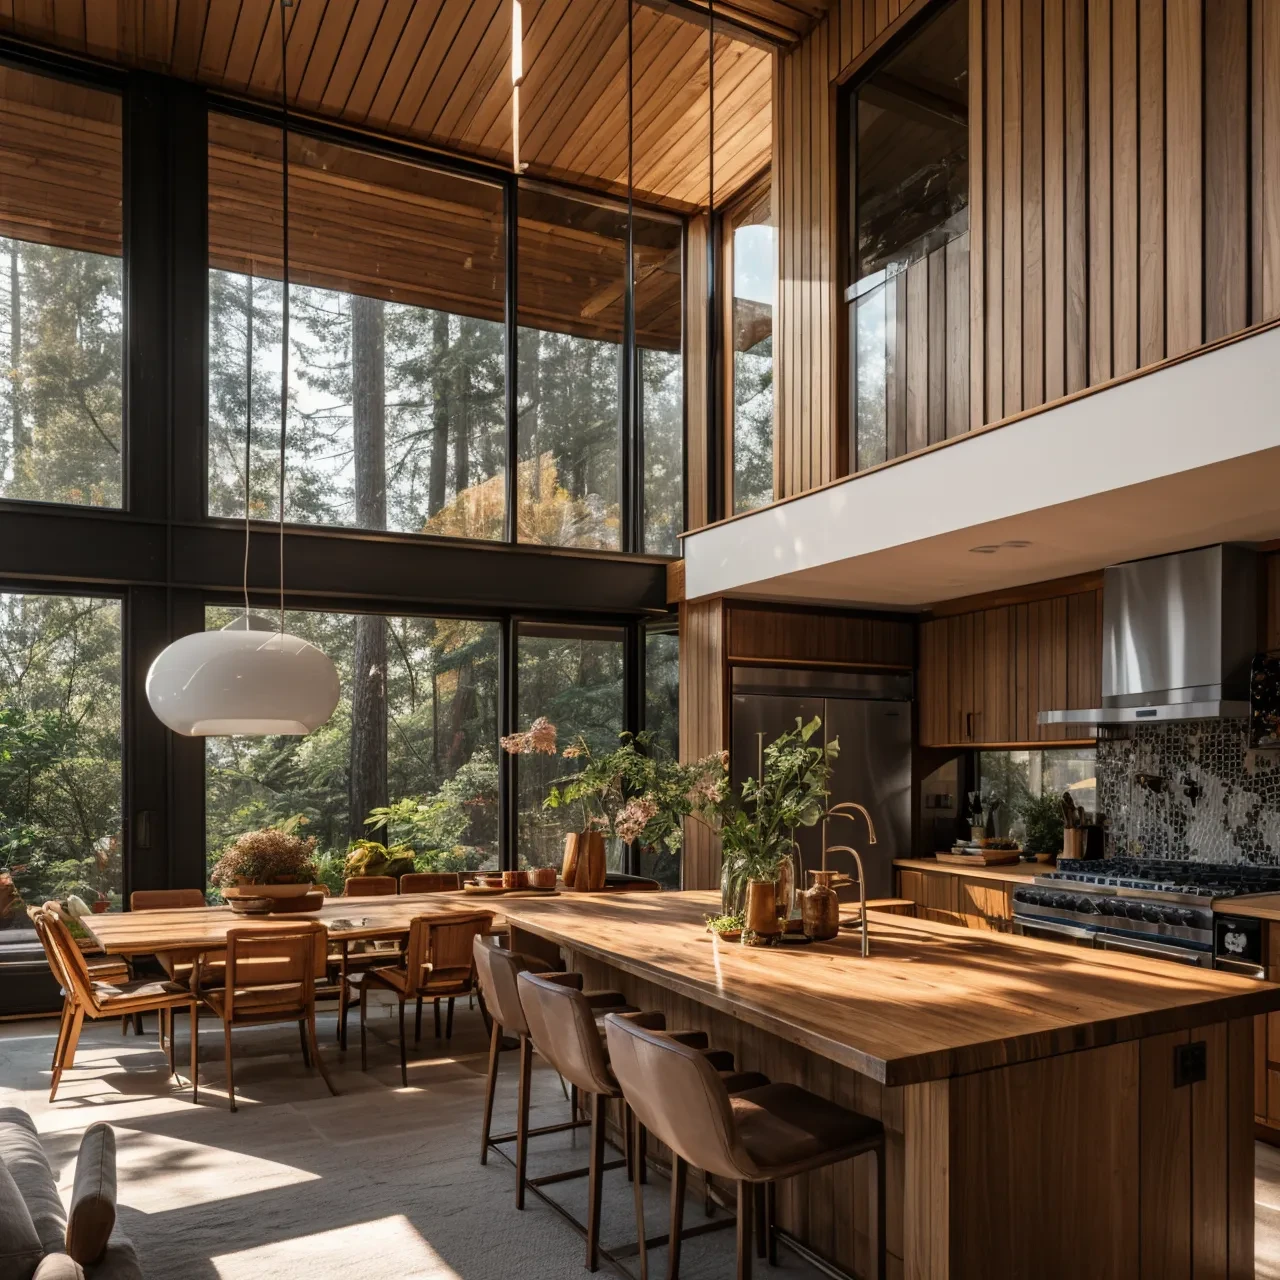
(1178, 635)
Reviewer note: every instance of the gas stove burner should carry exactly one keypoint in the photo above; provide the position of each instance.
(1160, 875)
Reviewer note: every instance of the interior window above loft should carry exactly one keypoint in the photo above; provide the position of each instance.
(754, 270)
(61, 292)
(909, 257)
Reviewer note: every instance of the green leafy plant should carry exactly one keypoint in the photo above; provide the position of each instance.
(726, 923)
(369, 858)
(759, 822)
(1042, 820)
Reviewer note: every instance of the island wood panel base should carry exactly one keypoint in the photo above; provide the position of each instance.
(1089, 1163)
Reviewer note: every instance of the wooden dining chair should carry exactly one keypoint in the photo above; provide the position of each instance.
(431, 882)
(368, 886)
(271, 975)
(180, 964)
(86, 997)
(438, 965)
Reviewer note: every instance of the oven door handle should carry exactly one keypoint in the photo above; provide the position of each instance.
(1154, 950)
(1049, 930)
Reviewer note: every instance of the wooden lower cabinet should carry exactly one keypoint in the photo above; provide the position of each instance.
(1266, 1046)
(952, 899)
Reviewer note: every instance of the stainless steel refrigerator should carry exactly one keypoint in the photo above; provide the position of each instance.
(870, 715)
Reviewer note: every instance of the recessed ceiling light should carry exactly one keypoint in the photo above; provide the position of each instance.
(1016, 542)
(984, 551)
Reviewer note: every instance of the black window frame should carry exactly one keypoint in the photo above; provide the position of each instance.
(166, 559)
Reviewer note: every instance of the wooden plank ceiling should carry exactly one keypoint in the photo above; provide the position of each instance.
(437, 71)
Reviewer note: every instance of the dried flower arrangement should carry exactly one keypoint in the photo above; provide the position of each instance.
(274, 855)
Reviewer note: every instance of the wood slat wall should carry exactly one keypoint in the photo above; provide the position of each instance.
(704, 720)
(1124, 206)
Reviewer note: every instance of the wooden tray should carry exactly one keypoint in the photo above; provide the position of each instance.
(982, 857)
(487, 891)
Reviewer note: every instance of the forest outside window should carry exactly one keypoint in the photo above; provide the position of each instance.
(61, 292)
(574, 677)
(414, 737)
(60, 751)
(752, 263)
(662, 719)
(909, 258)
(397, 363)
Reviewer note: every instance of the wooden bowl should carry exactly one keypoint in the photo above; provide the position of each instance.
(243, 905)
(289, 906)
(265, 891)
(543, 877)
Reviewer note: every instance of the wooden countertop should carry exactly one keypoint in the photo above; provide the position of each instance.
(931, 1001)
(1011, 873)
(1261, 906)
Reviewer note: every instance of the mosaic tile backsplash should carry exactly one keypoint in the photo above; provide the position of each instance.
(1220, 802)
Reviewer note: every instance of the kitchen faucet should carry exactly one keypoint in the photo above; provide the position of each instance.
(846, 810)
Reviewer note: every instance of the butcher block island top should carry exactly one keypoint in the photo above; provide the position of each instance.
(931, 1002)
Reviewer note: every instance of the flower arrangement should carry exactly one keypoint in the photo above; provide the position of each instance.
(637, 793)
(274, 855)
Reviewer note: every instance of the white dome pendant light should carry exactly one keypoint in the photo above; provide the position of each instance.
(250, 677)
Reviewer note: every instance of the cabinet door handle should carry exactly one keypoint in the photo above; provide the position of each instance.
(968, 725)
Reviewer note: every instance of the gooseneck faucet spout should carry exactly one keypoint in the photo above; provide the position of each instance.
(862, 894)
(845, 809)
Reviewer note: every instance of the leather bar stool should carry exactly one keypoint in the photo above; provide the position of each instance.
(564, 1027)
(755, 1138)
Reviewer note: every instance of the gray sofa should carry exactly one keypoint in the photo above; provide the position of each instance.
(37, 1237)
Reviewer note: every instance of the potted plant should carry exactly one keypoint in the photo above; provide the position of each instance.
(636, 794)
(1043, 826)
(759, 822)
(369, 858)
(271, 863)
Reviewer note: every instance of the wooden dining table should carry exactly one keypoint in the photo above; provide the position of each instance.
(198, 929)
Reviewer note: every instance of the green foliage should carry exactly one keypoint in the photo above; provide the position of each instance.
(369, 858)
(1042, 816)
(758, 825)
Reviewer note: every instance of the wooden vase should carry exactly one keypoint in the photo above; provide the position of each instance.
(762, 908)
(584, 861)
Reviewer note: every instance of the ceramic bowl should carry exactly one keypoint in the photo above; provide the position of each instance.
(243, 905)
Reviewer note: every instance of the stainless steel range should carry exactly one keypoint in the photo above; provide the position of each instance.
(1162, 909)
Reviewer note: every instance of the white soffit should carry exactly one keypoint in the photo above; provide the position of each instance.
(1183, 456)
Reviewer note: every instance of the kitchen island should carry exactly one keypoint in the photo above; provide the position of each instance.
(1050, 1111)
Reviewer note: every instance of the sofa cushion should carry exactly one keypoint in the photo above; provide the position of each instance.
(20, 1249)
(120, 1262)
(59, 1266)
(93, 1197)
(24, 1157)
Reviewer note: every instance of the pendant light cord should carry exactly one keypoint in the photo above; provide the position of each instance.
(284, 339)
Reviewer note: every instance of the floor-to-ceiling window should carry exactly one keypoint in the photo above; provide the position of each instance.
(60, 750)
(61, 292)
(751, 250)
(909, 257)
(662, 720)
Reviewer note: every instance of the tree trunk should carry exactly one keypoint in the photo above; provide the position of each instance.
(460, 712)
(368, 775)
(437, 482)
(462, 437)
(15, 352)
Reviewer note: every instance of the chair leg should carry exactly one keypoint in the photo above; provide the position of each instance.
(679, 1178)
(404, 1061)
(637, 1187)
(628, 1147)
(138, 1028)
(302, 1037)
(522, 1116)
(495, 1050)
(595, 1175)
(881, 1247)
(231, 1079)
(771, 1220)
(170, 1022)
(68, 1050)
(344, 998)
(63, 1023)
(642, 1145)
(364, 1018)
(437, 1007)
(760, 1213)
(315, 1052)
(417, 1022)
(448, 1022)
(746, 1196)
(124, 1024)
(195, 1052)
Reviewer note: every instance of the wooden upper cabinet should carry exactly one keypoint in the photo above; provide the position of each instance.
(984, 676)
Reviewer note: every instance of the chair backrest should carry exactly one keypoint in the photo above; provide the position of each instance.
(279, 964)
(430, 882)
(368, 886)
(166, 899)
(677, 1096)
(439, 950)
(38, 922)
(562, 1027)
(496, 971)
(66, 958)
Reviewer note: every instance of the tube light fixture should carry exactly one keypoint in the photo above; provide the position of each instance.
(517, 79)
